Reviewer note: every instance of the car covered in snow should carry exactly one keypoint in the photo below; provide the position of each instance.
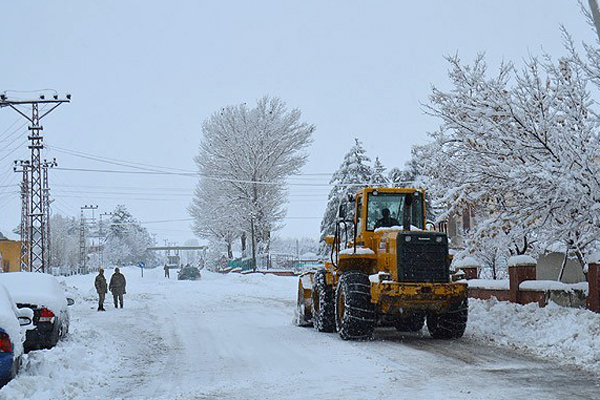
(13, 324)
(188, 273)
(43, 294)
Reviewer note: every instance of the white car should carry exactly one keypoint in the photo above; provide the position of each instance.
(13, 324)
(43, 294)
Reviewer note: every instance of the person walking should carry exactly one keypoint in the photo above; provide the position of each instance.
(166, 271)
(117, 287)
(101, 288)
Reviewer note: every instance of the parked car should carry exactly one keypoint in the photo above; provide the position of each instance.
(13, 324)
(43, 294)
(188, 273)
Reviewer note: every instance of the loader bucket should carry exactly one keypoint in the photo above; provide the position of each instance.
(303, 314)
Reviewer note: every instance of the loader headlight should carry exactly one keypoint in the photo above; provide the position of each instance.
(407, 238)
(438, 239)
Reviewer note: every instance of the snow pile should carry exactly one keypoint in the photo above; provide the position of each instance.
(501, 284)
(77, 365)
(380, 277)
(521, 260)
(567, 334)
(553, 285)
(396, 228)
(359, 250)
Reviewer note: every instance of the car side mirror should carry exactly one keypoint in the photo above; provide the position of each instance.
(70, 301)
(25, 317)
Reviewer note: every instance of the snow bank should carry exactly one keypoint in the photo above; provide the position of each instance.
(568, 335)
(74, 367)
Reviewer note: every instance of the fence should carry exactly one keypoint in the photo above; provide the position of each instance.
(273, 263)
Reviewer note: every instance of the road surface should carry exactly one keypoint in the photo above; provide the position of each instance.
(232, 337)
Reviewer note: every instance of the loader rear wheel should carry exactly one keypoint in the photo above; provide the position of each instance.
(354, 313)
(450, 325)
(413, 323)
(303, 314)
(322, 302)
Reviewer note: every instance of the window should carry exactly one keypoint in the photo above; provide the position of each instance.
(395, 203)
(359, 219)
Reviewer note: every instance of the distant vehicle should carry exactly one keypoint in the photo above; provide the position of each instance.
(189, 273)
(43, 294)
(13, 323)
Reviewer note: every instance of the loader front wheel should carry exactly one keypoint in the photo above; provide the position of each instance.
(354, 313)
(450, 325)
(322, 304)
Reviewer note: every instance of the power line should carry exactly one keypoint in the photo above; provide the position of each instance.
(130, 164)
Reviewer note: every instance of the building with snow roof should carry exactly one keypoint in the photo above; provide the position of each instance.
(10, 254)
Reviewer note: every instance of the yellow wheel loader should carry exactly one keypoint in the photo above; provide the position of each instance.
(384, 268)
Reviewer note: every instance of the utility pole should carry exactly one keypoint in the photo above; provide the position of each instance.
(102, 238)
(46, 190)
(36, 235)
(595, 15)
(82, 240)
(24, 167)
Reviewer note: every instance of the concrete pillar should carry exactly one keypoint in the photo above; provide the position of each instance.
(521, 268)
(470, 267)
(471, 272)
(593, 299)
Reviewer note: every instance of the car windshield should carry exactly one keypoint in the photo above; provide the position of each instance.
(387, 209)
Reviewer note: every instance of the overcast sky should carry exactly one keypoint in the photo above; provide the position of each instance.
(145, 74)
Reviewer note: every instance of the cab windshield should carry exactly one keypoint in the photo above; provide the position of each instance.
(385, 210)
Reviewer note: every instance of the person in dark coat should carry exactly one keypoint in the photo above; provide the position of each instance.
(166, 271)
(117, 287)
(386, 221)
(101, 288)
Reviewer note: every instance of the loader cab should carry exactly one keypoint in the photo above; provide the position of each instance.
(398, 209)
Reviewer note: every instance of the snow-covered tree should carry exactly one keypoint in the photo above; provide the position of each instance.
(378, 179)
(251, 151)
(214, 217)
(521, 149)
(354, 173)
(64, 244)
(412, 174)
(295, 246)
(127, 241)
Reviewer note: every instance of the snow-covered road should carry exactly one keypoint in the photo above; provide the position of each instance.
(232, 337)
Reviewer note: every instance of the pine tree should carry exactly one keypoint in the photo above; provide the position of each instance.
(354, 173)
(127, 241)
(378, 179)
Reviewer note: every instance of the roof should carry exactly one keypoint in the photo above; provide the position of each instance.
(7, 234)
